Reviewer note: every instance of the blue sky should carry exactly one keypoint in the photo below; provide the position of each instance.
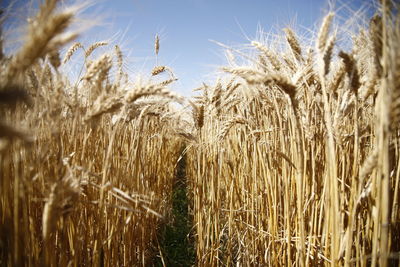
(186, 28)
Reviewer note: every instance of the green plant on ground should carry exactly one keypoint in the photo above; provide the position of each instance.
(176, 239)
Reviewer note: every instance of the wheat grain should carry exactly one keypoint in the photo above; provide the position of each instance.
(119, 56)
(327, 55)
(351, 70)
(54, 59)
(63, 194)
(293, 43)
(268, 54)
(38, 43)
(157, 45)
(324, 31)
(93, 47)
(71, 51)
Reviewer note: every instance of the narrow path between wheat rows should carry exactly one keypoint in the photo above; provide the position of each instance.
(176, 241)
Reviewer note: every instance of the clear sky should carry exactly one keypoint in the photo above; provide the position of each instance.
(186, 28)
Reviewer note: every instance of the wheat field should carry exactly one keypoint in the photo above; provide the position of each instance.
(291, 158)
